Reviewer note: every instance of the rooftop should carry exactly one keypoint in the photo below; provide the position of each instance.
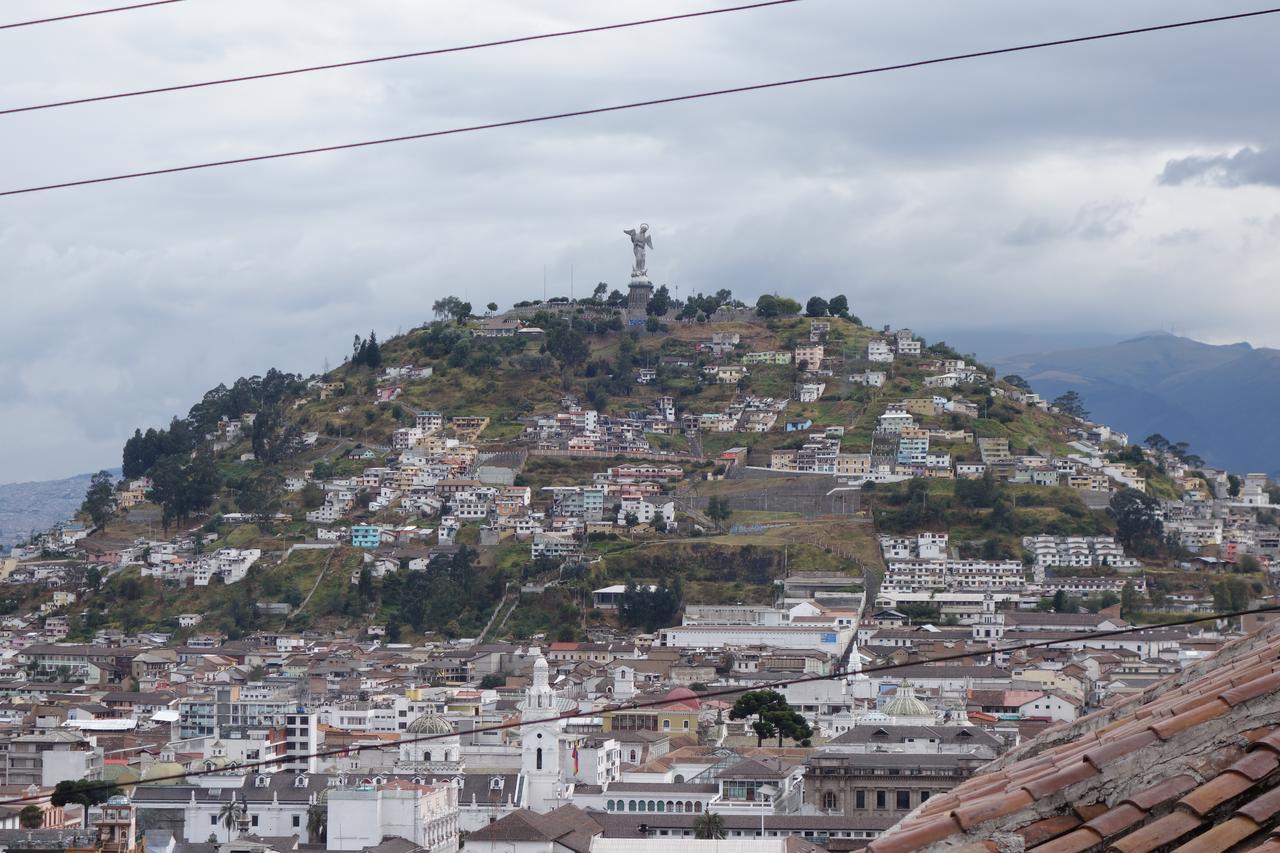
(1192, 763)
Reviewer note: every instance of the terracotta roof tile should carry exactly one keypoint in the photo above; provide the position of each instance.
(1272, 740)
(1064, 777)
(1257, 764)
(1107, 751)
(1272, 845)
(1167, 829)
(1117, 820)
(1051, 827)
(1220, 838)
(1180, 723)
(1088, 811)
(923, 834)
(1215, 792)
(990, 807)
(1169, 789)
(1252, 689)
(1073, 842)
(1263, 808)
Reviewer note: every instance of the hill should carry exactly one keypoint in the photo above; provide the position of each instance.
(1220, 399)
(36, 506)
(465, 398)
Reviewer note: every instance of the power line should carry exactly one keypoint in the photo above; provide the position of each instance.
(86, 14)
(392, 58)
(654, 703)
(634, 105)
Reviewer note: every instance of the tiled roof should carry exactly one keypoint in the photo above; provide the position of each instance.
(1192, 764)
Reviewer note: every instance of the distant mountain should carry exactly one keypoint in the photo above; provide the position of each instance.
(25, 507)
(1223, 400)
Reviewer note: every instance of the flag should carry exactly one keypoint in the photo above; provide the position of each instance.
(575, 758)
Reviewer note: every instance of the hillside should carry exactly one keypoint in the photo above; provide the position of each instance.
(36, 506)
(1175, 386)
(223, 473)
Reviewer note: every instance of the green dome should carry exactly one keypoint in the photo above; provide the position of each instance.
(161, 771)
(429, 724)
(905, 704)
(119, 774)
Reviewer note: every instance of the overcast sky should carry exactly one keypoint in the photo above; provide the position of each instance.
(1095, 190)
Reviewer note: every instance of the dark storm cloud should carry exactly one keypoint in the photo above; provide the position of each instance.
(1246, 166)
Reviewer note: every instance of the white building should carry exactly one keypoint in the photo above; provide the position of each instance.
(362, 816)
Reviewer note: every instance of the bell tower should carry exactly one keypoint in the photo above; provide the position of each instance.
(540, 741)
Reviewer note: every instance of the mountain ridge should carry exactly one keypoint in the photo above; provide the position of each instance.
(1177, 386)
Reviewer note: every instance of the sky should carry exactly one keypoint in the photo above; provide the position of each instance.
(1022, 202)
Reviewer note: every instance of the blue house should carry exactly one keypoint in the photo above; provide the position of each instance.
(365, 535)
(799, 425)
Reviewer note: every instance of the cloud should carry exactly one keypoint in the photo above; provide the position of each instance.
(1093, 221)
(1246, 166)
(124, 303)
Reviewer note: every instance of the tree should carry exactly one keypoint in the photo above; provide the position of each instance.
(719, 510)
(659, 303)
(1156, 442)
(1138, 524)
(32, 817)
(631, 520)
(1230, 594)
(708, 826)
(492, 681)
(649, 608)
(232, 814)
(83, 792)
(491, 307)
(446, 307)
(1233, 485)
(1017, 382)
(260, 494)
(769, 306)
(775, 717)
(317, 823)
(839, 306)
(274, 438)
(100, 499)
(815, 307)
(373, 352)
(1072, 404)
(568, 345)
(1129, 601)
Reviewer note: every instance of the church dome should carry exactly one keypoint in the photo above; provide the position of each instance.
(683, 696)
(905, 704)
(429, 724)
(163, 773)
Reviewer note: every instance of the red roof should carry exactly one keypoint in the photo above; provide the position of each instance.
(1194, 761)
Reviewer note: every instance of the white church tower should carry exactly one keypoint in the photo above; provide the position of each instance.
(540, 742)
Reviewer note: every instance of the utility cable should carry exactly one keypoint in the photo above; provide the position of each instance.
(274, 763)
(86, 14)
(352, 63)
(636, 104)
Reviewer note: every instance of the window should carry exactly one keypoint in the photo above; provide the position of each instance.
(213, 820)
(539, 765)
(253, 820)
(882, 799)
(903, 800)
(829, 801)
(297, 820)
(860, 799)
(924, 795)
